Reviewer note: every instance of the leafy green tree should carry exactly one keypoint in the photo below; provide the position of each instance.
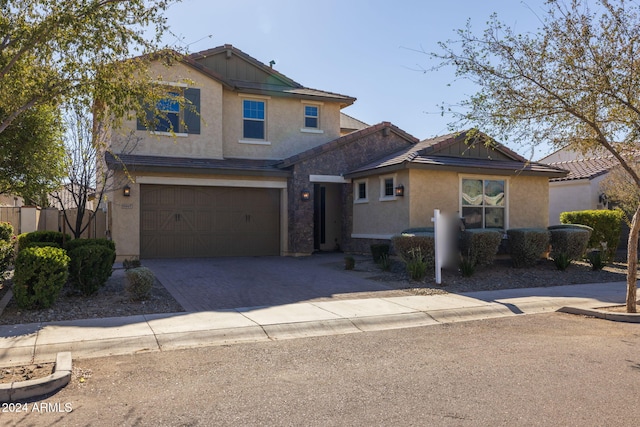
(575, 80)
(32, 153)
(52, 50)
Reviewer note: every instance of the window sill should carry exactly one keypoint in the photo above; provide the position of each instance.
(387, 198)
(359, 201)
(254, 142)
(176, 134)
(307, 130)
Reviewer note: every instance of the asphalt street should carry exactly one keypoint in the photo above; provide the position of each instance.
(544, 369)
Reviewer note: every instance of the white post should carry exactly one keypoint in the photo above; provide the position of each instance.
(437, 231)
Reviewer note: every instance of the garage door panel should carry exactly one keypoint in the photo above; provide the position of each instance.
(181, 221)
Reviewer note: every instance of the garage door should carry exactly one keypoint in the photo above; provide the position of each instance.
(181, 221)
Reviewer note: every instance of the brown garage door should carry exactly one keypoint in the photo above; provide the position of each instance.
(181, 221)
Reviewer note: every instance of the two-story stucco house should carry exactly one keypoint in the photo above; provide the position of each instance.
(261, 165)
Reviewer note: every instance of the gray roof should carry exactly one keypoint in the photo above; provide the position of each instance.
(134, 162)
(424, 155)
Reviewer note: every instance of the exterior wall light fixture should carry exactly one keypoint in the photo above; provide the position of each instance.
(400, 191)
(126, 191)
(305, 195)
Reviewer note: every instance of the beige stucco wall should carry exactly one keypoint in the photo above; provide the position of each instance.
(528, 201)
(124, 212)
(284, 134)
(431, 190)
(381, 218)
(207, 144)
(426, 190)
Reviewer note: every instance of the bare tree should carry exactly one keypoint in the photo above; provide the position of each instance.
(87, 178)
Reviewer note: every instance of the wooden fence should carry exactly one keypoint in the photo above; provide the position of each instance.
(30, 218)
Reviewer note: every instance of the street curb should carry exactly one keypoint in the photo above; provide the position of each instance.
(22, 390)
(603, 314)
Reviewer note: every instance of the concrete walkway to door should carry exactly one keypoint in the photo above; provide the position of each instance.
(203, 284)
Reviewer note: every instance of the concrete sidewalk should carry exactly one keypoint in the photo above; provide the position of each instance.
(40, 342)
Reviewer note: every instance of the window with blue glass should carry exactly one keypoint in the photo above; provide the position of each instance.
(253, 114)
(178, 112)
(311, 116)
(169, 119)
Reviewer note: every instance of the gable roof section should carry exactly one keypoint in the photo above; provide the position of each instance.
(349, 123)
(163, 164)
(589, 168)
(248, 75)
(343, 140)
(436, 153)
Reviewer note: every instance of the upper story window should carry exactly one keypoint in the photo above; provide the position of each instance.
(177, 113)
(311, 116)
(483, 202)
(253, 119)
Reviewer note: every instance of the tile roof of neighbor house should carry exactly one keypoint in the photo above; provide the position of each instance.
(286, 87)
(194, 165)
(589, 168)
(425, 155)
(336, 143)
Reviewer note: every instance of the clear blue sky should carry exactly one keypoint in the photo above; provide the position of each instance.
(361, 48)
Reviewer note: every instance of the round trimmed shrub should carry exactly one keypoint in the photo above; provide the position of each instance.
(572, 242)
(526, 245)
(6, 231)
(40, 273)
(139, 283)
(481, 245)
(42, 236)
(90, 267)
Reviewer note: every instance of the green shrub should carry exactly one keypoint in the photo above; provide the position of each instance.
(139, 283)
(406, 244)
(90, 267)
(596, 260)
(128, 264)
(467, 266)
(6, 231)
(42, 236)
(572, 242)
(379, 250)
(385, 263)
(416, 264)
(6, 256)
(481, 245)
(606, 225)
(526, 245)
(43, 245)
(40, 274)
(75, 243)
(562, 260)
(349, 263)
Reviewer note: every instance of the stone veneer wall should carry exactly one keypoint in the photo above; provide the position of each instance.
(332, 160)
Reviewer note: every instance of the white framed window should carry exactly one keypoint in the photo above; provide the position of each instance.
(483, 202)
(254, 119)
(311, 117)
(361, 191)
(387, 188)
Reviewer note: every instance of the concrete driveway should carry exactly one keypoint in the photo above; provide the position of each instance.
(219, 283)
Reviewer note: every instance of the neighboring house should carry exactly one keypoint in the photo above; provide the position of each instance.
(260, 165)
(348, 124)
(580, 189)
